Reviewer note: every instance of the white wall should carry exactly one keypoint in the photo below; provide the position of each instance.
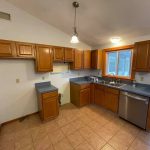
(19, 99)
(25, 27)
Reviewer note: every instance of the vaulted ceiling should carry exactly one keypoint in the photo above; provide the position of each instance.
(98, 20)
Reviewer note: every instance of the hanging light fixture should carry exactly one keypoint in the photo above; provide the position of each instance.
(74, 38)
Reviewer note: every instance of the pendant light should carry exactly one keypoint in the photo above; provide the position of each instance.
(74, 38)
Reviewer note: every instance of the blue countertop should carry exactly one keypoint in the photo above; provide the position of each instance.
(44, 87)
(141, 89)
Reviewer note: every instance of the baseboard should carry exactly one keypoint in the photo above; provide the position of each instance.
(17, 119)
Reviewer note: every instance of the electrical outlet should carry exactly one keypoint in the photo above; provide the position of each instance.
(17, 80)
(43, 78)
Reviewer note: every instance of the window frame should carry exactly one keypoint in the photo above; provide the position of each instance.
(122, 48)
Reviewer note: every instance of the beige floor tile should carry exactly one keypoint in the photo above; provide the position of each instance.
(56, 136)
(75, 139)
(68, 129)
(85, 119)
(94, 125)
(78, 124)
(7, 142)
(96, 142)
(107, 147)
(63, 145)
(43, 144)
(84, 146)
(24, 143)
(86, 132)
(38, 133)
(122, 140)
(62, 121)
(139, 145)
(144, 136)
(106, 133)
(51, 126)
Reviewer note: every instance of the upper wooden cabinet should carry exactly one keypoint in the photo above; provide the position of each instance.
(96, 59)
(77, 64)
(7, 48)
(142, 56)
(87, 59)
(58, 54)
(44, 60)
(25, 50)
(69, 54)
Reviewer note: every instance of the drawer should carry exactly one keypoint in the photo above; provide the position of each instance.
(98, 86)
(111, 90)
(84, 86)
(50, 94)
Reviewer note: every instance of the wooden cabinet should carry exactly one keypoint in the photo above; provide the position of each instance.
(86, 59)
(25, 50)
(96, 59)
(77, 64)
(58, 54)
(99, 95)
(80, 94)
(142, 56)
(106, 97)
(7, 49)
(148, 119)
(68, 55)
(111, 99)
(85, 96)
(48, 105)
(44, 60)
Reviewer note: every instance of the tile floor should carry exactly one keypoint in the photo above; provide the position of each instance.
(87, 128)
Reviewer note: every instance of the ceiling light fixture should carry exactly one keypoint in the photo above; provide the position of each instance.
(74, 38)
(115, 40)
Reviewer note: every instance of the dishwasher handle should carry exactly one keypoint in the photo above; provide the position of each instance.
(135, 97)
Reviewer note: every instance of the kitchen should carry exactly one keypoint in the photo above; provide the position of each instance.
(88, 117)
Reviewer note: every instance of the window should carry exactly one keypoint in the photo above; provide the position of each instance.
(118, 63)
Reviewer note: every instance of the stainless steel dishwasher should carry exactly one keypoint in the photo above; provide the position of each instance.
(133, 108)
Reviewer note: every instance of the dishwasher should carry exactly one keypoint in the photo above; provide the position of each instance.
(133, 108)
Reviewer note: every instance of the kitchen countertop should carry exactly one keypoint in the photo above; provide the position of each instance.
(141, 89)
(44, 87)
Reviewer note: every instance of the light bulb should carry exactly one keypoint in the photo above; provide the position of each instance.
(74, 39)
(115, 40)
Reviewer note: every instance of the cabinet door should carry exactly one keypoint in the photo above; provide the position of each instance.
(7, 48)
(111, 101)
(99, 97)
(77, 64)
(85, 97)
(44, 60)
(69, 54)
(50, 108)
(58, 53)
(87, 59)
(26, 50)
(142, 56)
(96, 59)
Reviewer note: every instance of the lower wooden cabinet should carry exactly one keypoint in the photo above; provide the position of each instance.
(111, 99)
(106, 97)
(80, 94)
(48, 105)
(99, 95)
(148, 119)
